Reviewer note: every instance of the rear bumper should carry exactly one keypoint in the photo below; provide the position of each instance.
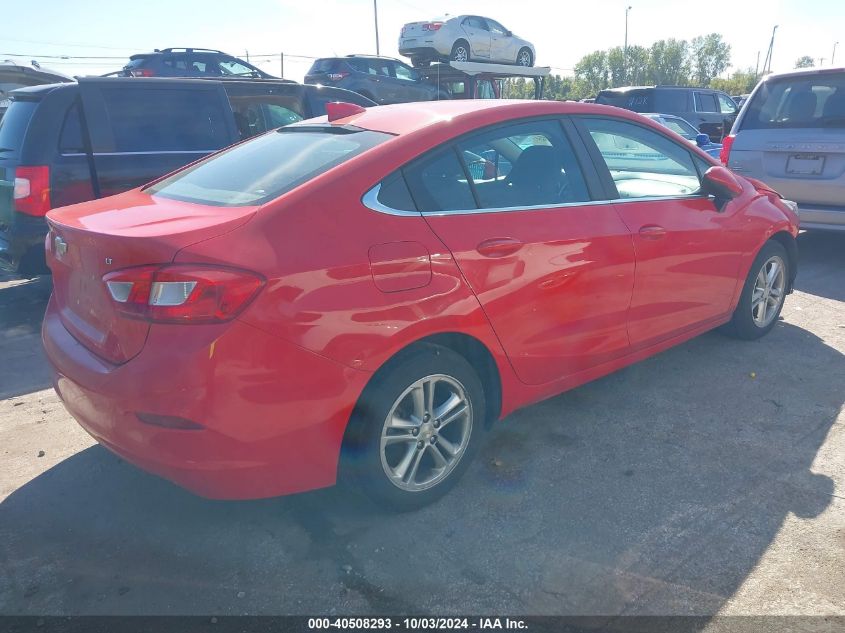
(821, 217)
(273, 414)
(422, 52)
(23, 234)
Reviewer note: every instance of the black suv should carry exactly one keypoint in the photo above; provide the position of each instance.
(190, 62)
(713, 112)
(66, 143)
(382, 79)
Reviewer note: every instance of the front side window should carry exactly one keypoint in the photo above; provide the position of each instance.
(524, 165)
(264, 168)
(726, 104)
(642, 162)
(234, 67)
(403, 72)
(495, 27)
(705, 102)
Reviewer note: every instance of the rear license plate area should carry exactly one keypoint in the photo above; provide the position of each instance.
(805, 164)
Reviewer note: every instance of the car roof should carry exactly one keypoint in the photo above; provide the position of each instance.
(464, 115)
(805, 71)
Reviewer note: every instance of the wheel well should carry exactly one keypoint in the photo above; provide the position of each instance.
(474, 352)
(791, 246)
(459, 41)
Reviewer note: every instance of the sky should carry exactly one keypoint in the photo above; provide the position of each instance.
(90, 31)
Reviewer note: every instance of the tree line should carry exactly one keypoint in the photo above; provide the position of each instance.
(697, 62)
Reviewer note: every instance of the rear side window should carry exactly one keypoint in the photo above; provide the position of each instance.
(671, 101)
(13, 127)
(322, 66)
(815, 101)
(255, 114)
(70, 139)
(264, 168)
(394, 193)
(439, 183)
(137, 62)
(157, 120)
(636, 100)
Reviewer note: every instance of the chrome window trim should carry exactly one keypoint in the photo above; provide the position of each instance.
(146, 153)
(370, 200)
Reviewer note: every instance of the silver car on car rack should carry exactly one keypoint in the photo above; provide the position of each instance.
(464, 38)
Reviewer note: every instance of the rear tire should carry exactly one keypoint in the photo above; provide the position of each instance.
(763, 294)
(415, 429)
(460, 51)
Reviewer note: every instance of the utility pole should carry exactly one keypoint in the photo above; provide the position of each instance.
(833, 54)
(767, 65)
(757, 67)
(625, 48)
(282, 65)
(247, 54)
(375, 16)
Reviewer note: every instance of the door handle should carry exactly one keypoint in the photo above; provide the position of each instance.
(652, 232)
(499, 247)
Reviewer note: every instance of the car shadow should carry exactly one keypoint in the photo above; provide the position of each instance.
(655, 490)
(821, 262)
(22, 306)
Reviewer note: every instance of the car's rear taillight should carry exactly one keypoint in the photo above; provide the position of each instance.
(142, 72)
(31, 192)
(336, 76)
(432, 26)
(182, 293)
(725, 154)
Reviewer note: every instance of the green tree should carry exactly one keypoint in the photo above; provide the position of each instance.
(668, 62)
(709, 58)
(805, 62)
(592, 71)
(740, 82)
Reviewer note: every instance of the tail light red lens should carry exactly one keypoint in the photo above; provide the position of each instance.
(142, 72)
(336, 76)
(31, 192)
(725, 153)
(182, 293)
(432, 26)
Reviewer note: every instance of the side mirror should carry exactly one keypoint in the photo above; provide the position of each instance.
(702, 140)
(721, 183)
(509, 33)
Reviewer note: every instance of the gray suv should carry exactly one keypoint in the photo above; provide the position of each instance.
(382, 79)
(791, 135)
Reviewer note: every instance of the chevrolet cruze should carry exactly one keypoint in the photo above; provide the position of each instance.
(359, 297)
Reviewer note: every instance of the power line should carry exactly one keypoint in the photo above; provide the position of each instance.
(114, 48)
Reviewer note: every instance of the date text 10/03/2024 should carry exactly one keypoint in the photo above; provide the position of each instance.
(417, 624)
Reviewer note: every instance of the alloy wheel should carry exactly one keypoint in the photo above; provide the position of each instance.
(426, 433)
(769, 291)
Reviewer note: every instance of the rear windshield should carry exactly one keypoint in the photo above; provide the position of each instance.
(136, 62)
(13, 127)
(814, 101)
(636, 100)
(264, 168)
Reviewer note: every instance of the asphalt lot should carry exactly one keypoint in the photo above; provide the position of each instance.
(707, 480)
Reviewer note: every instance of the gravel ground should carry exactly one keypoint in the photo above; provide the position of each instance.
(709, 479)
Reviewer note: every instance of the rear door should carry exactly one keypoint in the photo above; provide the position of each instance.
(552, 268)
(710, 120)
(688, 252)
(501, 44)
(142, 131)
(791, 135)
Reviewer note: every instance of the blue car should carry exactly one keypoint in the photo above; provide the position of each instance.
(686, 129)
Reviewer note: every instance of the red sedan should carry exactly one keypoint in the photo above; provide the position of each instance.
(360, 297)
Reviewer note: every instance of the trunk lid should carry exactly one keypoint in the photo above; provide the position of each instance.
(415, 29)
(88, 240)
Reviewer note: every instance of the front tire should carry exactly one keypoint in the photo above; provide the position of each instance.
(460, 51)
(416, 429)
(524, 57)
(763, 294)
